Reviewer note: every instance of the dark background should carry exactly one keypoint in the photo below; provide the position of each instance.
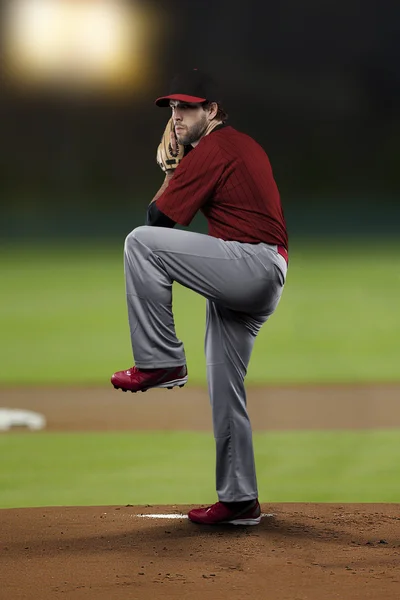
(317, 83)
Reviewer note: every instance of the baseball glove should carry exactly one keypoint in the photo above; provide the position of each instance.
(169, 152)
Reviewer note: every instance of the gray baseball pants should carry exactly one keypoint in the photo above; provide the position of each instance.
(243, 284)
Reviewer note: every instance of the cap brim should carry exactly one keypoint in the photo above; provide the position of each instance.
(165, 100)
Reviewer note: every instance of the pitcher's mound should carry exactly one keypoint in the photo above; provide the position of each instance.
(298, 552)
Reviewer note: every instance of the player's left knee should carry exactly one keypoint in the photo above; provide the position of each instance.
(139, 234)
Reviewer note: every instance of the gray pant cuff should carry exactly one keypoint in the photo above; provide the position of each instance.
(238, 498)
(168, 364)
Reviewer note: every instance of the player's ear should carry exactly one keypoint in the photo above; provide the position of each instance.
(212, 110)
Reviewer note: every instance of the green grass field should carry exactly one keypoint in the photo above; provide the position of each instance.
(63, 321)
(63, 317)
(178, 467)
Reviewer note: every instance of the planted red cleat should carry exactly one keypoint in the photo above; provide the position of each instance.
(243, 513)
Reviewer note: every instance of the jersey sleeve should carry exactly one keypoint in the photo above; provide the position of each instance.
(193, 183)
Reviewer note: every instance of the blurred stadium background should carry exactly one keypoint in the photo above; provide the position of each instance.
(316, 83)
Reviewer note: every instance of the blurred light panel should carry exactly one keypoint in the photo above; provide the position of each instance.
(75, 43)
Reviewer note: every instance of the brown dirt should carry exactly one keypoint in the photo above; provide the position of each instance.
(305, 551)
(302, 552)
(318, 407)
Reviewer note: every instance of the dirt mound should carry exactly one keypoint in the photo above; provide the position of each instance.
(298, 552)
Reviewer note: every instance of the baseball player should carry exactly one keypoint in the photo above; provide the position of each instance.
(239, 267)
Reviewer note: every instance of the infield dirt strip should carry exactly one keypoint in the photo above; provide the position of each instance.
(298, 552)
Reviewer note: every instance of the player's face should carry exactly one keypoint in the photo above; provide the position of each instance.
(190, 122)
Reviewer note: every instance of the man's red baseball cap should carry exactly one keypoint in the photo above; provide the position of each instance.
(191, 86)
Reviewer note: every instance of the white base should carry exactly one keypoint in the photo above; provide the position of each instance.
(15, 417)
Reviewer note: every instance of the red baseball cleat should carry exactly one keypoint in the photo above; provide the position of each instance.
(243, 513)
(136, 380)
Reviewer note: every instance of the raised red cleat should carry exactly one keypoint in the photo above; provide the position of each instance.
(238, 513)
(136, 380)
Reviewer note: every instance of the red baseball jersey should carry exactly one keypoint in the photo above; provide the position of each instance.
(229, 178)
